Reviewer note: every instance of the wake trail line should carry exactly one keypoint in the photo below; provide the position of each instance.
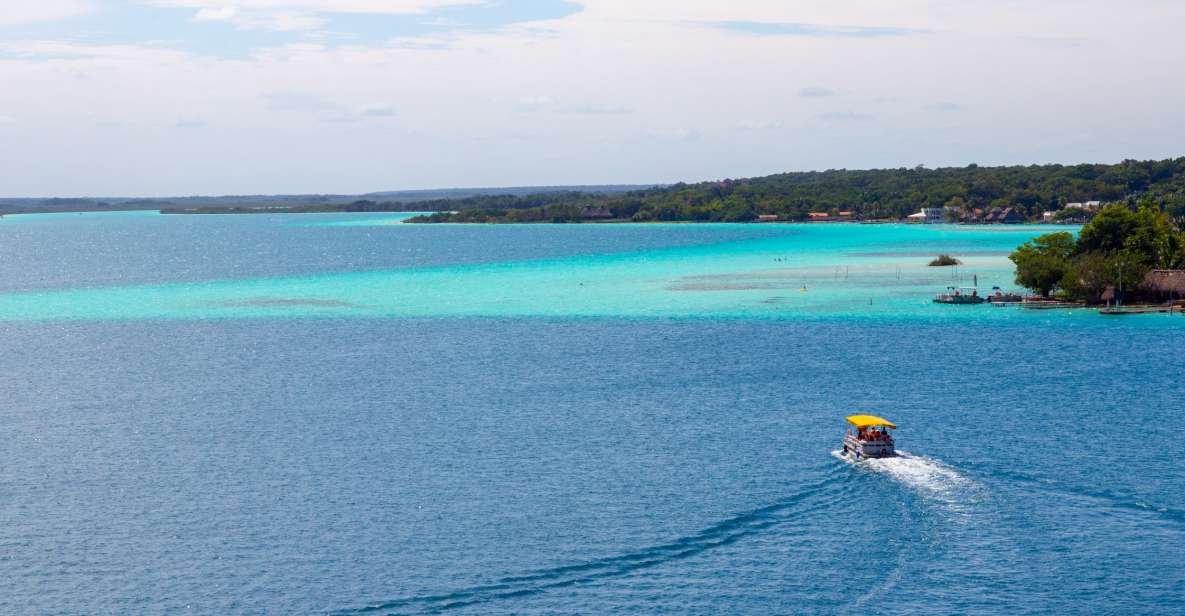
(718, 535)
(1109, 498)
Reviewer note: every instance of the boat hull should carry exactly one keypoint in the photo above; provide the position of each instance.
(857, 449)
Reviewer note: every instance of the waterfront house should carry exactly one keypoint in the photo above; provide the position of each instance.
(968, 215)
(767, 217)
(1089, 206)
(829, 217)
(1004, 216)
(934, 215)
(930, 215)
(1012, 216)
(1071, 213)
(595, 213)
(832, 216)
(1164, 285)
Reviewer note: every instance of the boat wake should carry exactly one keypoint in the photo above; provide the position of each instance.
(720, 534)
(1116, 500)
(927, 477)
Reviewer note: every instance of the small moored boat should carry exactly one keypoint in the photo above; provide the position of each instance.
(1000, 298)
(959, 295)
(871, 438)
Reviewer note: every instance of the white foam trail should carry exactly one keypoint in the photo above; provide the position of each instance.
(928, 477)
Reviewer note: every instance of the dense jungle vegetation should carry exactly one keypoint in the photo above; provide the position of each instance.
(883, 194)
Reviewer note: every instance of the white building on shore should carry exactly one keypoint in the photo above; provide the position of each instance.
(930, 215)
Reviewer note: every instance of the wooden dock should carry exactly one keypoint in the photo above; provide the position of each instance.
(1122, 310)
(1050, 305)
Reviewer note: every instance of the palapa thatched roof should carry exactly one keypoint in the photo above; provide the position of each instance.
(1165, 281)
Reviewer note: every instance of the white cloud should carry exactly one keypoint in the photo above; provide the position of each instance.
(68, 52)
(298, 15)
(324, 109)
(533, 103)
(693, 95)
(321, 6)
(816, 92)
(678, 132)
(19, 12)
(757, 125)
(280, 21)
(298, 101)
(845, 116)
(595, 109)
(277, 20)
(225, 13)
(378, 110)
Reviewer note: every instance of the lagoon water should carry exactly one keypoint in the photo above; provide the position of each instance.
(343, 414)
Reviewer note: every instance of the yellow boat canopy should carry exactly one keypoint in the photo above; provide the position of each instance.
(870, 421)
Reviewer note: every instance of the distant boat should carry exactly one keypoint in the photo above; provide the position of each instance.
(871, 438)
(959, 295)
(1000, 297)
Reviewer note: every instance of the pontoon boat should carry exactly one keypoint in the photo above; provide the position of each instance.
(959, 295)
(871, 438)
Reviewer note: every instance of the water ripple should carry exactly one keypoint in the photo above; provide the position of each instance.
(721, 534)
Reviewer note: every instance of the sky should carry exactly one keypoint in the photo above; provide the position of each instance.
(207, 97)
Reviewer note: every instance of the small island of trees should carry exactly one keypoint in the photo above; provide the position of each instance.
(944, 261)
(1116, 250)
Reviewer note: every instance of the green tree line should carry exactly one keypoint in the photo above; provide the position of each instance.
(870, 194)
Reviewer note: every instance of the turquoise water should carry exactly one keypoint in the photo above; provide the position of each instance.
(780, 271)
(342, 414)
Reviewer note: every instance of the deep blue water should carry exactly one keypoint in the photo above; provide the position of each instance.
(538, 465)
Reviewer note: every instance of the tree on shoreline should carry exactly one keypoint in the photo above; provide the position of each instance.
(1042, 262)
(1116, 249)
